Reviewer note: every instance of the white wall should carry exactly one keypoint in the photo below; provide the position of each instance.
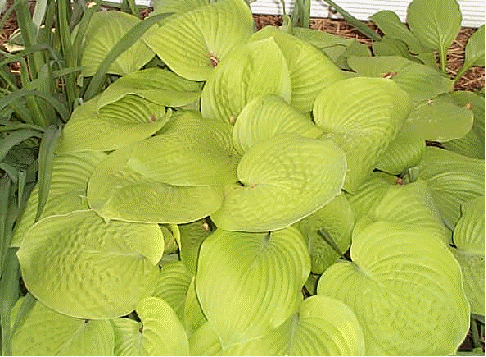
(473, 11)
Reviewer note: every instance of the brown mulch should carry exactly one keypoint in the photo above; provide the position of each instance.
(473, 80)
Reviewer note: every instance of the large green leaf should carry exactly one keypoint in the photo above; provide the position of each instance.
(310, 70)
(469, 252)
(158, 334)
(193, 43)
(249, 283)
(474, 53)
(452, 179)
(435, 23)
(400, 295)
(172, 285)
(472, 144)
(44, 332)
(440, 119)
(196, 152)
(82, 266)
(255, 69)
(112, 126)
(193, 315)
(192, 236)
(69, 183)
(267, 116)
(156, 85)
(282, 181)
(116, 191)
(177, 6)
(404, 152)
(362, 115)
(328, 233)
(105, 29)
(321, 327)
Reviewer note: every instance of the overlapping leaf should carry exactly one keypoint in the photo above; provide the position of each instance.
(112, 126)
(67, 193)
(192, 236)
(400, 295)
(267, 116)
(156, 85)
(328, 233)
(82, 266)
(249, 283)
(322, 327)
(310, 70)
(105, 29)
(282, 181)
(255, 69)
(452, 179)
(177, 6)
(44, 332)
(469, 252)
(193, 43)
(474, 53)
(159, 334)
(362, 115)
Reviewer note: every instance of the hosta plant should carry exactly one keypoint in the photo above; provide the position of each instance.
(237, 193)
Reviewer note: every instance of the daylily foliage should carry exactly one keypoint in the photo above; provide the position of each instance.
(191, 202)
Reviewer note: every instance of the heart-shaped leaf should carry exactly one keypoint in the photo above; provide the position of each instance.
(310, 70)
(362, 115)
(267, 116)
(452, 179)
(282, 181)
(249, 283)
(391, 285)
(45, 332)
(322, 327)
(435, 23)
(193, 43)
(172, 285)
(156, 85)
(116, 191)
(105, 29)
(469, 252)
(328, 233)
(82, 266)
(112, 126)
(255, 69)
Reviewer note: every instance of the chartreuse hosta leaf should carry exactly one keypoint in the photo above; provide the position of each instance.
(310, 70)
(411, 205)
(193, 43)
(249, 283)
(469, 252)
(112, 126)
(177, 6)
(193, 315)
(159, 333)
(252, 70)
(328, 233)
(452, 179)
(472, 144)
(105, 29)
(82, 266)
(156, 85)
(403, 152)
(321, 327)
(172, 285)
(282, 181)
(116, 191)
(362, 115)
(45, 332)
(400, 295)
(435, 23)
(67, 193)
(192, 236)
(267, 116)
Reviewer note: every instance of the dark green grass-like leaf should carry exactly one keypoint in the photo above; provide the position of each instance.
(46, 154)
(125, 43)
(14, 138)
